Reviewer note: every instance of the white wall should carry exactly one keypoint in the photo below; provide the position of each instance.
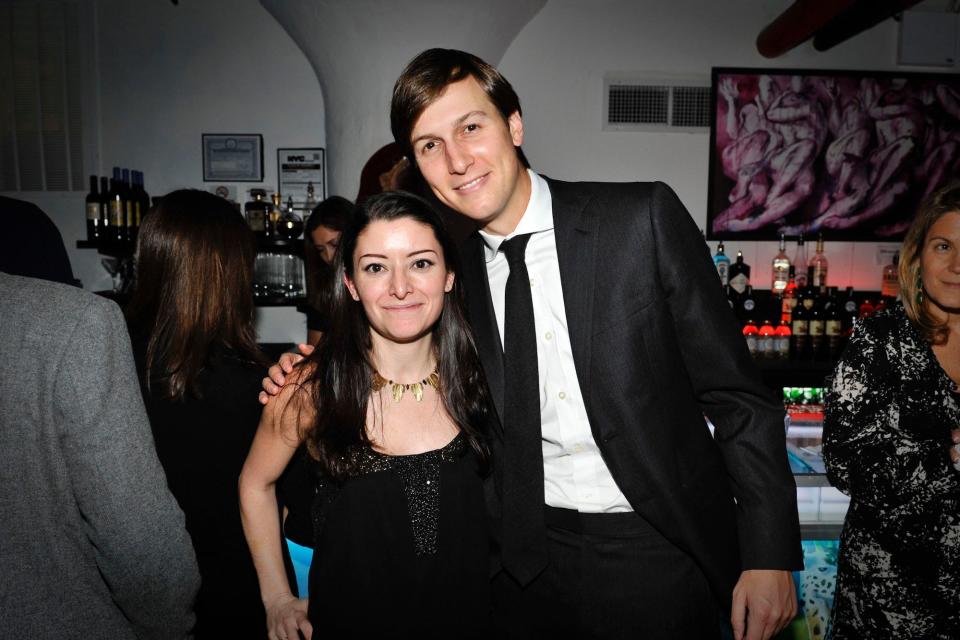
(557, 65)
(168, 73)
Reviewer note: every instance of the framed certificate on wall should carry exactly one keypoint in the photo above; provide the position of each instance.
(232, 157)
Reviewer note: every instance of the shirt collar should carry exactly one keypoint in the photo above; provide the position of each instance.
(537, 217)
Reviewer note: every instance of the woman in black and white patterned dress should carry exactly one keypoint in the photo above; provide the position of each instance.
(889, 442)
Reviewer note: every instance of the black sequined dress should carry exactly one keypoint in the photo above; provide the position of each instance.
(402, 548)
(886, 437)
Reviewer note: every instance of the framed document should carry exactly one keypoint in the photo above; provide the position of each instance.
(299, 168)
(232, 157)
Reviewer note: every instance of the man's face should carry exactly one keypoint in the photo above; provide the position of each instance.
(467, 153)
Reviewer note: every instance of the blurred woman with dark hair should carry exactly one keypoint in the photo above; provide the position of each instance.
(391, 406)
(192, 325)
(324, 226)
(889, 441)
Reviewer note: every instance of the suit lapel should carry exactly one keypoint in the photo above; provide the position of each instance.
(575, 228)
(483, 320)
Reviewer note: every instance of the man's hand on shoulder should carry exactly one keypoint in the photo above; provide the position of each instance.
(276, 375)
(764, 602)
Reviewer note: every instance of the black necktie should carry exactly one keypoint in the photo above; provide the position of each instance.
(523, 550)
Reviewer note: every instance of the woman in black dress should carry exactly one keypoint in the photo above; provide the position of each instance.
(888, 441)
(191, 323)
(321, 239)
(390, 405)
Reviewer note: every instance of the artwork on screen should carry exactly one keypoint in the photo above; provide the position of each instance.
(846, 154)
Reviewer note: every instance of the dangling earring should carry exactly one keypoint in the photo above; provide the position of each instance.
(919, 288)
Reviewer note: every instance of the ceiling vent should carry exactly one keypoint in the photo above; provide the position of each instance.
(645, 103)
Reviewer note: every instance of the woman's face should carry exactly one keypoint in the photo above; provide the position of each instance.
(325, 240)
(940, 263)
(400, 278)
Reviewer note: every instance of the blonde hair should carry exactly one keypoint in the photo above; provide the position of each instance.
(944, 200)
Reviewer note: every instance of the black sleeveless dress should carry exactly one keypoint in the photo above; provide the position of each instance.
(402, 548)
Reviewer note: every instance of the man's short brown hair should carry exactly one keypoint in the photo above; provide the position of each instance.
(425, 79)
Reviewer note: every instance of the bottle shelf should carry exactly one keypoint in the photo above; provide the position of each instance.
(112, 249)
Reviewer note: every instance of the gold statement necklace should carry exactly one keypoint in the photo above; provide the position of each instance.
(397, 389)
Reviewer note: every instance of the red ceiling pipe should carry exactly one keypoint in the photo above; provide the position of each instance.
(797, 25)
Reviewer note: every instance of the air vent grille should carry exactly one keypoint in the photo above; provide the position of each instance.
(658, 105)
(638, 105)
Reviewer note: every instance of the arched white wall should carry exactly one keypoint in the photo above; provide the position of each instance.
(358, 49)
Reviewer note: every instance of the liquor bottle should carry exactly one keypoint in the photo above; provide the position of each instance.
(311, 201)
(799, 327)
(765, 340)
(890, 286)
(866, 308)
(290, 225)
(800, 261)
(274, 215)
(781, 268)
(819, 264)
(817, 324)
(788, 298)
(104, 206)
(739, 274)
(833, 329)
(750, 332)
(747, 305)
(782, 340)
(722, 263)
(732, 297)
(256, 212)
(117, 220)
(93, 211)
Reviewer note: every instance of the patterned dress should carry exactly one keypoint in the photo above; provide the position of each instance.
(886, 441)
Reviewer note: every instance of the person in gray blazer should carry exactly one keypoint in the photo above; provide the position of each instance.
(93, 543)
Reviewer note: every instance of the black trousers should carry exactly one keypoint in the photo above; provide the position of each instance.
(609, 576)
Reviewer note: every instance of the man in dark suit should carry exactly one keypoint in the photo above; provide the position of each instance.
(605, 340)
(647, 516)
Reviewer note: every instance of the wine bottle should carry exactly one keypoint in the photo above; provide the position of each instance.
(93, 211)
(799, 327)
(104, 207)
(117, 230)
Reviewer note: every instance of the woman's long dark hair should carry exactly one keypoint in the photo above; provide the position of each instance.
(194, 292)
(341, 379)
(333, 213)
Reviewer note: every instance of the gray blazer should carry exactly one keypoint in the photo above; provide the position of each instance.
(92, 543)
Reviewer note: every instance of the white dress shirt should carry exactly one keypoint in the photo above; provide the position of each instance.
(574, 474)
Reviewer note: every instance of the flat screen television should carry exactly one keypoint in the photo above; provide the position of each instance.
(846, 154)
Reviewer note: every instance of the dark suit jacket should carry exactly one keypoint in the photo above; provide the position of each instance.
(656, 348)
